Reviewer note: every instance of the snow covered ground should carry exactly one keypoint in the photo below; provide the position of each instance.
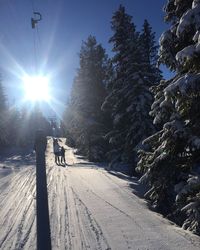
(89, 209)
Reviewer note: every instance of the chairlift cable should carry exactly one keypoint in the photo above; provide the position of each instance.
(33, 5)
(36, 38)
(34, 41)
(35, 53)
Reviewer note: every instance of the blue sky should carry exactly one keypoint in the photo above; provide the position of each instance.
(53, 48)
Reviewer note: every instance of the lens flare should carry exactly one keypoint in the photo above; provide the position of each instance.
(36, 88)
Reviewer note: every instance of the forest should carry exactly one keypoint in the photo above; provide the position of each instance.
(123, 112)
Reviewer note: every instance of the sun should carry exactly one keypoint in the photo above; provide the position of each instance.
(36, 88)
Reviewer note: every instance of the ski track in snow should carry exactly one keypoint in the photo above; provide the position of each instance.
(89, 209)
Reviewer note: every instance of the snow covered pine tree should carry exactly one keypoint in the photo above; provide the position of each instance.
(129, 99)
(84, 120)
(172, 166)
(149, 55)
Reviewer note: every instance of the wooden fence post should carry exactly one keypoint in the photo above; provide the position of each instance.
(42, 209)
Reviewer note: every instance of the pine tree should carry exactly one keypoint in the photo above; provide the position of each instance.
(140, 94)
(171, 164)
(149, 54)
(3, 118)
(129, 98)
(3, 105)
(83, 118)
(13, 126)
(30, 121)
(125, 36)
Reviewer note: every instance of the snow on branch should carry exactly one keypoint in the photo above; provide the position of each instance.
(187, 53)
(184, 84)
(191, 205)
(195, 142)
(190, 18)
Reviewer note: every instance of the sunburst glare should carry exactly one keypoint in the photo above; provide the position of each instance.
(36, 88)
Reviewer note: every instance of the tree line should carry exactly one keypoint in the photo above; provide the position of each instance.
(107, 115)
(122, 111)
(18, 126)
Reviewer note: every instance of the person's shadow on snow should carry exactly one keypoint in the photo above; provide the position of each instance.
(61, 164)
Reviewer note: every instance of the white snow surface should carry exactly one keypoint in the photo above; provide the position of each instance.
(90, 208)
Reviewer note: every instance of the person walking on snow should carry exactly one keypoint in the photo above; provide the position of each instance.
(62, 153)
(56, 150)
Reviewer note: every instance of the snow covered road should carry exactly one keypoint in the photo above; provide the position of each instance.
(89, 209)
